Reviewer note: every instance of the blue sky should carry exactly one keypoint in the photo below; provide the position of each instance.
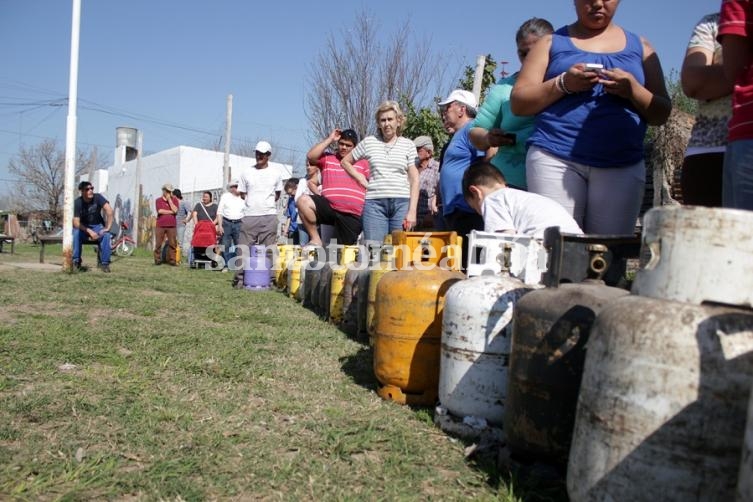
(167, 66)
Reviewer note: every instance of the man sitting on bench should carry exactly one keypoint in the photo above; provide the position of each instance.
(90, 227)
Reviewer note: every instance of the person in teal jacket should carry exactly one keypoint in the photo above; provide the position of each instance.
(496, 125)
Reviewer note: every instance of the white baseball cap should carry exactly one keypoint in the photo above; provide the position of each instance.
(465, 97)
(263, 147)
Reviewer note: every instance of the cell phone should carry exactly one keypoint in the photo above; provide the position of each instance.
(593, 67)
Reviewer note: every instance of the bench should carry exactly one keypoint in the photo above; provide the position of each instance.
(58, 239)
(8, 238)
(48, 239)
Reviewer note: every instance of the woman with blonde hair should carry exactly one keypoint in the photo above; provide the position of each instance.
(392, 190)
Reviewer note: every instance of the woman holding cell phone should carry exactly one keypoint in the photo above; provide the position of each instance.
(496, 125)
(594, 88)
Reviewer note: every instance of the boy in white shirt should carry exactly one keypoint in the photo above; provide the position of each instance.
(509, 210)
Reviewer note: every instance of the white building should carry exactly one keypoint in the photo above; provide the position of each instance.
(192, 170)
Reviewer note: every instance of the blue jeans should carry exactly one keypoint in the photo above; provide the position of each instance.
(381, 216)
(231, 231)
(79, 238)
(737, 181)
(303, 236)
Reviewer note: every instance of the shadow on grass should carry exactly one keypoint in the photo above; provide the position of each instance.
(360, 368)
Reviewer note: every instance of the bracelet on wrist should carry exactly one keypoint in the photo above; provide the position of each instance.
(561, 84)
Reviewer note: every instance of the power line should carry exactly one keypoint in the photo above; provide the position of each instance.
(108, 110)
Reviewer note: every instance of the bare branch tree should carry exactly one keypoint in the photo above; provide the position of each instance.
(41, 172)
(355, 72)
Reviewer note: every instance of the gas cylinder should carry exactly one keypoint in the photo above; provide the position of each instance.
(361, 299)
(475, 350)
(256, 270)
(351, 288)
(663, 400)
(550, 331)
(678, 244)
(347, 259)
(527, 259)
(285, 256)
(745, 476)
(408, 330)
(294, 275)
(386, 264)
(568, 256)
(436, 248)
(312, 273)
(306, 257)
(321, 293)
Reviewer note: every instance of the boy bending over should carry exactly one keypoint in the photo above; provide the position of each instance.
(509, 210)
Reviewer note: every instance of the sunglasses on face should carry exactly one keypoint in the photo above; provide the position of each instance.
(88, 189)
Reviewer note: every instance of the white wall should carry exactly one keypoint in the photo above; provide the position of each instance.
(192, 170)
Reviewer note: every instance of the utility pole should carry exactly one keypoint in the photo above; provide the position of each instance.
(137, 189)
(228, 128)
(479, 77)
(70, 140)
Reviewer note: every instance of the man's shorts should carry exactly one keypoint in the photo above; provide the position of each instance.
(348, 225)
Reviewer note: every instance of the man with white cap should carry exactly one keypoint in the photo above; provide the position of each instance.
(428, 178)
(458, 112)
(260, 186)
(229, 216)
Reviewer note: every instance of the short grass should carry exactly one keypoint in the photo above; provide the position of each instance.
(163, 383)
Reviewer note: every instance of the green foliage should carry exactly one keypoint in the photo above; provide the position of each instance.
(423, 122)
(487, 80)
(679, 100)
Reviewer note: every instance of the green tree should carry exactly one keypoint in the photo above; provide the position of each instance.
(423, 122)
(487, 80)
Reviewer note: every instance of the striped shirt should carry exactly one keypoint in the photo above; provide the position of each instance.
(344, 194)
(736, 18)
(388, 164)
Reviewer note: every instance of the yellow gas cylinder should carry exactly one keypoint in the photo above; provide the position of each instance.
(386, 264)
(295, 274)
(407, 343)
(348, 258)
(430, 248)
(281, 263)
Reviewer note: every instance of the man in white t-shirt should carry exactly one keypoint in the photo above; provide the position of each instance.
(509, 210)
(260, 187)
(229, 216)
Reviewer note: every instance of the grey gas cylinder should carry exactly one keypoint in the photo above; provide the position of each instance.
(662, 403)
(698, 254)
(745, 476)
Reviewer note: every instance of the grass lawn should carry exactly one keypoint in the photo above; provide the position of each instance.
(163, 383)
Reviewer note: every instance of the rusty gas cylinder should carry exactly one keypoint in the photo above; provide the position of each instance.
(663, 400)
(550, 332)
(476, 334)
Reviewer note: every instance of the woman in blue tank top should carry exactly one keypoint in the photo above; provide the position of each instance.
(594, 88)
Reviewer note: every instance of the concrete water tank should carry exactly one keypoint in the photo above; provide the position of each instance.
(127, 137)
